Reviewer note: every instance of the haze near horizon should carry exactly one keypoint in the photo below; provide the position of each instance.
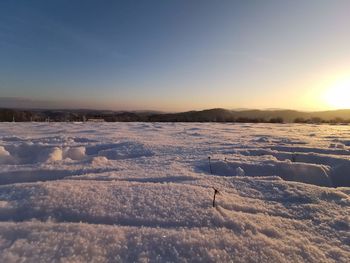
(176, 56)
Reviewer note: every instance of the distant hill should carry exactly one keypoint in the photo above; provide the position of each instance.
(222, 115)
(210, 115)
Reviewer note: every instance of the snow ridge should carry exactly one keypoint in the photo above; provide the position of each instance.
(141, 192)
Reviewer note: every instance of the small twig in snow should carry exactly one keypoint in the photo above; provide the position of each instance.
(216, 191)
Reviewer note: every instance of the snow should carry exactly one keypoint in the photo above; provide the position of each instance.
(287, 170)
(140, 192)
(240, 172)
(5, 156)
(75, 153)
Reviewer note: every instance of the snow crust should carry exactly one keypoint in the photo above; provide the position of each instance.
(142, 192)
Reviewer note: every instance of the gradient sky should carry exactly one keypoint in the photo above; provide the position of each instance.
(174, 55)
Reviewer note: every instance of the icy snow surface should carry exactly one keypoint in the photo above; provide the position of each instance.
(139, 192)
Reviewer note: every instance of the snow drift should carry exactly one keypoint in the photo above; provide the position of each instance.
(142, 192)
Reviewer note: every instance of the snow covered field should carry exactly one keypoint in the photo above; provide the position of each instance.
(111, 192)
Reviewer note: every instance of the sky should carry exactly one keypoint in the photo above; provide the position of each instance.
(175, 55)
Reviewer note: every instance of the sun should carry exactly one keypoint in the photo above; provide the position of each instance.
(338, 95)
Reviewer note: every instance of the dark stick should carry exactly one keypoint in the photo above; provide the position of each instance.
(211, 171)
(215, 192)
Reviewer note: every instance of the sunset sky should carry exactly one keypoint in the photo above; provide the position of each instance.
(176, 55)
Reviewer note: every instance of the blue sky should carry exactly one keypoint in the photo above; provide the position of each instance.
(174, 55)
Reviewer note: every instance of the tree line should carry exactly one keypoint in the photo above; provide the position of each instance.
(214, 115)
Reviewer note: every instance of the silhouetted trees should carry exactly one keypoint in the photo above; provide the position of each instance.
(213, 115)
(276, 120)
(318, 120)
